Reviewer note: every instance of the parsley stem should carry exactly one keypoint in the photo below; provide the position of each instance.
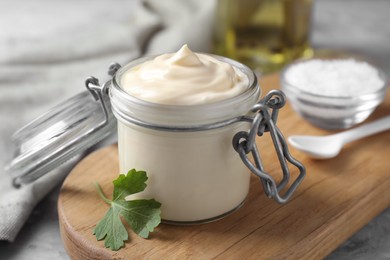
(100, 191)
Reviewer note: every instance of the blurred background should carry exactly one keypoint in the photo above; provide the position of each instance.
(48, 47)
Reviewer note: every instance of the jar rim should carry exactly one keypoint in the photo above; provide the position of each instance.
(130, 108)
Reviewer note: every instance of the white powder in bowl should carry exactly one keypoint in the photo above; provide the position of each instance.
(335, 78)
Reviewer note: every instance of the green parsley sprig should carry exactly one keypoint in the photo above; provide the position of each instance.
(141, 215)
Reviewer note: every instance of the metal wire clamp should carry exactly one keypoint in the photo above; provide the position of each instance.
(100, 93)
(245, 143)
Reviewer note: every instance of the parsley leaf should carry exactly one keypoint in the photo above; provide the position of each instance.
(142, 215)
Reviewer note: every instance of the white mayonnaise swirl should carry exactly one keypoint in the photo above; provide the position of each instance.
(184, 78)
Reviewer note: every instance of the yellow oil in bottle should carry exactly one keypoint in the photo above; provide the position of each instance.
(263, 34)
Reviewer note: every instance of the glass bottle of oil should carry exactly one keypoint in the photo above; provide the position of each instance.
(263, 34)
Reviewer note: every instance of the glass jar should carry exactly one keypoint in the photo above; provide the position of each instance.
(196, 157)
(186, 151)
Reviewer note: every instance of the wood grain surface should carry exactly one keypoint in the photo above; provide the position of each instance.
(336, 199)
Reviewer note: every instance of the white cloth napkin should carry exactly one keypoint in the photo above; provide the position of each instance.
(52, 46)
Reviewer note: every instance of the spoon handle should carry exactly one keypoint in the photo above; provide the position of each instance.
(374, 127)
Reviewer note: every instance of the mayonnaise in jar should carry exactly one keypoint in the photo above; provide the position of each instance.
(176, 121)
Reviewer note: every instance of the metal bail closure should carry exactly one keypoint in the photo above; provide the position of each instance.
(244, 143)
(66, 130)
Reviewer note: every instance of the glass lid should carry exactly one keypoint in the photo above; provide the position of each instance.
(61, 133)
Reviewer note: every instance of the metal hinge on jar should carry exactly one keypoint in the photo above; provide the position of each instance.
(245, 143)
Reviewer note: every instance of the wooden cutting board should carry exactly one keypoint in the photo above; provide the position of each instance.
(336, 199)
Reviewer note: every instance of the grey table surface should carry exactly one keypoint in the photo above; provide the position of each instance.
(359, 26)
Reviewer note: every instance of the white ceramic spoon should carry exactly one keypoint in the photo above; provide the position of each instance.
(325, 147)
